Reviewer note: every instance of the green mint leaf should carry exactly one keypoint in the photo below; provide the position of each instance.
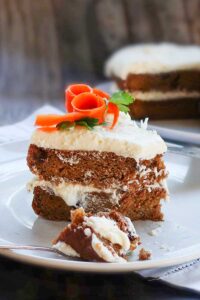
(122, 100)
(121, 97)
(89, 123)
(84, 124)
(65, 125)
(123, 108)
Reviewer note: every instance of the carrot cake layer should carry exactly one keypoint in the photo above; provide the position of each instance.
(82, 167)
(140, 204)
(187, 80)
(166, 108)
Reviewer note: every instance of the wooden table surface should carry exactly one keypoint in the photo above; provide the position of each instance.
(20, 281)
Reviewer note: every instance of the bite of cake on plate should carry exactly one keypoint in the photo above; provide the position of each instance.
(101, 237)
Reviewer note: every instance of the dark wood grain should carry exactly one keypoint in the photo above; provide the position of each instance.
(192, 19)
(107, 29)
(45, 44)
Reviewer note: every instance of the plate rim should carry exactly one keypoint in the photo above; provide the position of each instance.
(95, 267)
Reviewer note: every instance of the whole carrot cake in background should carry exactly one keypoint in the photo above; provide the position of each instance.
(104, 237)
(97, 158)
(164, 79)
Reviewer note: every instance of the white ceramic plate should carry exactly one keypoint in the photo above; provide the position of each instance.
(186, 131)
(177, 239)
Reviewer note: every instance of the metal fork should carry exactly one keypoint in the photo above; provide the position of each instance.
(33, 248)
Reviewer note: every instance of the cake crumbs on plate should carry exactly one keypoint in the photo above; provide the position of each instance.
(144, 254)
(155, 232)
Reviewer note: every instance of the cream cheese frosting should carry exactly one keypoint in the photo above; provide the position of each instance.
(109, 230)
(103, 252)
(152, 58)
(126, 139)
(158, 95)
(66, 249)
(76, 195)
(72, 194)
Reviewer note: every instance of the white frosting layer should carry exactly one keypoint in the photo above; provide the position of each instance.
(88, 232)
(72, 194)
(152, 58)
(126, 139)
(158, 95)
(131, 227)
(66, 249)
(103, 252)
(157, 185)
(77, 195)
(109, 230)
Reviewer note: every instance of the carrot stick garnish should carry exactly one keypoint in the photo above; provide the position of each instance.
(83, 102)
(113, 109)
(50, 120)
(48, 129)
(74, 90)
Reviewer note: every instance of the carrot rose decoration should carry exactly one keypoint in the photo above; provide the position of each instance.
(90, 105)
(74, 90)
(86, 107)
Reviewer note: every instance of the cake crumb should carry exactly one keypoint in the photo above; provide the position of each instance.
(155, 232)
(144, 254)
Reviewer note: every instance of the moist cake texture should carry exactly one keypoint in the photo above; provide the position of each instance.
(159, 75)
(99, 170)
(103, 237)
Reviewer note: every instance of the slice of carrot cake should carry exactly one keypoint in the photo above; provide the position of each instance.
(97, 160)
(103, 237)
(164, 79)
